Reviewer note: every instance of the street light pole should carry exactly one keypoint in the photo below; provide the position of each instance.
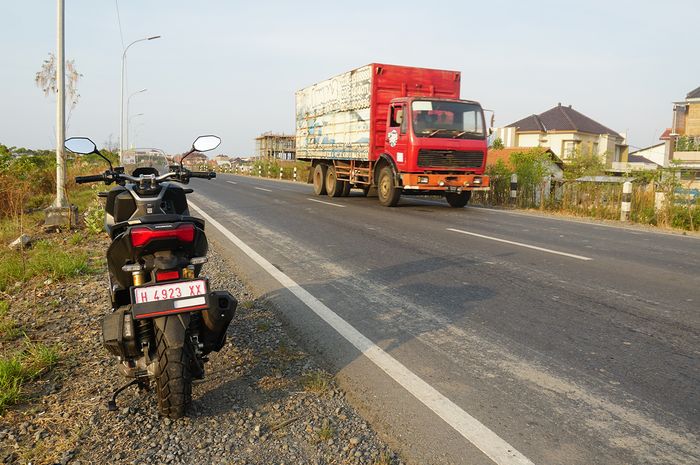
(61, 199)
(121, 99)
(128, 123)
(128, 100)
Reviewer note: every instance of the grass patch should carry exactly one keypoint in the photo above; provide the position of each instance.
(326, 431)
(46, 258)
(248, 304)
(9, 331)
(262, 326)
(18, 369)
(383, 459)
(317, 381)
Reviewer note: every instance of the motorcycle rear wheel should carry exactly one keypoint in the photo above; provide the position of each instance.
(174, 379)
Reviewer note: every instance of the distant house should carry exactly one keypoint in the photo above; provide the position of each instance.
(222, 161)
(652, 154)
(564, 131)
(555, 166)
(194, 160)
(271, 145)
(683, 146)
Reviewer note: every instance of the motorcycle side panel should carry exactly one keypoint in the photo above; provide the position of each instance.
(119, 335)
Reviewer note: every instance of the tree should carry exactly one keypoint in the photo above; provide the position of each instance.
(584, 163)
(497, 144)
(531, 166)
(45, 79)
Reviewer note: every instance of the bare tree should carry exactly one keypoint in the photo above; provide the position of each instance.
(45, 79)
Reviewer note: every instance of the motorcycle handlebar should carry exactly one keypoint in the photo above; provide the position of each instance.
(91, 178)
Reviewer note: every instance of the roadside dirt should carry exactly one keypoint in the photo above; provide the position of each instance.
(264, 399)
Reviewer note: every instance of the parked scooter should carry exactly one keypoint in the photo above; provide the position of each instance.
(164, 320)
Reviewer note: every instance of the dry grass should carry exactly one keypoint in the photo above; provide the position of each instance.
(317, 381)
(326, 431)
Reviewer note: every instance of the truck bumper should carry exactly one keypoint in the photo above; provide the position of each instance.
(445, 182)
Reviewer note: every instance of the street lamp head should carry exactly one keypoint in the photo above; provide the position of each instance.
(154, 37)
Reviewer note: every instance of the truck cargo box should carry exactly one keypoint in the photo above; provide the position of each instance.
(344, 118)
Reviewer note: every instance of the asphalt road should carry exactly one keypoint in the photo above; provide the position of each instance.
(574, 342)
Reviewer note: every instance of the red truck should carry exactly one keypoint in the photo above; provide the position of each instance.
(394, 130)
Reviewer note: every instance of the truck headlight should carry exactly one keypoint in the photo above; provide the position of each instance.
(441, 183)
(476, 180)
(422, 179)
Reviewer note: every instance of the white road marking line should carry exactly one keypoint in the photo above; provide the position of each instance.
(520, 244)
(232, 182)
(581, 221)
(496, 448)
(327, 203)
(262, 189)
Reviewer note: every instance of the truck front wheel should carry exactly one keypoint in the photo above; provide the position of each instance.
(458, 200)
(387, 191)
(320, 179)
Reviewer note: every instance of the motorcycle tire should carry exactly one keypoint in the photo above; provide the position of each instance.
(174, 379)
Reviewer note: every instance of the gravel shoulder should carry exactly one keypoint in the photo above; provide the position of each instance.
(264, 399)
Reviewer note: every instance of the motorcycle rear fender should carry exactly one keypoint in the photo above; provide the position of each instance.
(173, 328)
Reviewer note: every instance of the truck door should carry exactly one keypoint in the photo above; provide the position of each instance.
(396, 133)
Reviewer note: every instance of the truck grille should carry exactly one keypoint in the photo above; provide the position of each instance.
(450, 158)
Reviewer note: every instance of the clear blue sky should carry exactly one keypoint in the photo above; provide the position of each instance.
(231, 67)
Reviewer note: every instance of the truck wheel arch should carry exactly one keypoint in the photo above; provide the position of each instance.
(384, 160)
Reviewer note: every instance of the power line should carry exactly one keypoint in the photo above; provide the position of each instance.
(119, 21)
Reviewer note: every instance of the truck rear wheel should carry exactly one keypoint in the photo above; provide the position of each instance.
(458, 200)
(320, 179)
(334, 188)
(387, 191)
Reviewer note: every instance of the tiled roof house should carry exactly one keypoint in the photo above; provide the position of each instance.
(564, 131)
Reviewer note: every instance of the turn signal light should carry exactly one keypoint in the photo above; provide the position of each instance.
(142, 235)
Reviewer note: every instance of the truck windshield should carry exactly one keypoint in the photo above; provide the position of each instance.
(456, 120)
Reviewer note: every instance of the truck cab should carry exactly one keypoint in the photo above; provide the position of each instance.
(436, 145)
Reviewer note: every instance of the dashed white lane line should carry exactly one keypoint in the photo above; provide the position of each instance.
(327, 203)
(496, 448)
(520, 244)
(262, 189)
(232, 182)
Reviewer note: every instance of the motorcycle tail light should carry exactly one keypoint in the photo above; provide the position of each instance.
(167, 275)
(142, 235)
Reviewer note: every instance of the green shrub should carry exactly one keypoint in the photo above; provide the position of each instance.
(94, 219)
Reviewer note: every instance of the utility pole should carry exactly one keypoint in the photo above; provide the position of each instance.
(61, 199)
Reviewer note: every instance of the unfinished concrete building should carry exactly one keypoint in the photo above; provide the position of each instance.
(271, 145)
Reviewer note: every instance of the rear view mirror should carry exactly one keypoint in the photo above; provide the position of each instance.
(206, 143)
(80, 145)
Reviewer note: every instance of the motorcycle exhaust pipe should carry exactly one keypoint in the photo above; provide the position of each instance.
(216, 320)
